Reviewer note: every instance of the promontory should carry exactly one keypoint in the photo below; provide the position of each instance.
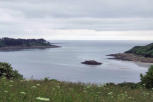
(8, 44)
(137, 53)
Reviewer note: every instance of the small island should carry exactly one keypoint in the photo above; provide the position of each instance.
(137, 54)
(91, 62)
(9, 44)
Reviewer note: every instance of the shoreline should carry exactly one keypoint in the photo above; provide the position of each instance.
(131, 57)
(15, 48)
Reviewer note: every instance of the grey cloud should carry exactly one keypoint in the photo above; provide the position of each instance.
(82, 8)
(21, 16)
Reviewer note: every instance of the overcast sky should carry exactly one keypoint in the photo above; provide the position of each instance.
(77, 19)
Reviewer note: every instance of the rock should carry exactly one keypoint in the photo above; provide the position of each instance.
(91, 62)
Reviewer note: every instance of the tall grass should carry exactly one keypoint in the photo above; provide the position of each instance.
(55, 91)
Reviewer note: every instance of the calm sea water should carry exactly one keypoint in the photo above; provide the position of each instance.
(64, 63)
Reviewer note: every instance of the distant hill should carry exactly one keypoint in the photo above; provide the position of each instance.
(146, 51)
(11, 43)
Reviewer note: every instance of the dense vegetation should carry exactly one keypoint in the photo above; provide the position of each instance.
(55, 91)
(146, 51)
(7, 71)
(6, 42)
(19, 90)
(147, 79)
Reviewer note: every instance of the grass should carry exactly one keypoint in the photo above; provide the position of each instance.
(56, 91)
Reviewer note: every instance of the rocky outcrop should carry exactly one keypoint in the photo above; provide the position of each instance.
(91, 62)
(131, 57)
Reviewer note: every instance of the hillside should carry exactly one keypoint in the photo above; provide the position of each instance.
(136, 54)
(146, 51)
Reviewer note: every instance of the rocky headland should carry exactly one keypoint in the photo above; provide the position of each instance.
(137, 54)
(131, 57)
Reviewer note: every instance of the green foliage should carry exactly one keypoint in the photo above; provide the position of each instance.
(5, 42)
(46, 79)
(146, 51)
(7, 71)
(130, 85)
(56, 91)
(147, 79)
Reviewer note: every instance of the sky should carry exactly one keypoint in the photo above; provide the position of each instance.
(77, 19)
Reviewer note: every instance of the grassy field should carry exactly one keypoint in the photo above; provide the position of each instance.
(55, 91)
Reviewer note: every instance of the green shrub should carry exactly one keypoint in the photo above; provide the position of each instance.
(129, 85)
(147, 79)
(7, 71)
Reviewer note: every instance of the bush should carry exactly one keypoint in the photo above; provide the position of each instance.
(7, 71)
(147, 79)
(130, 85)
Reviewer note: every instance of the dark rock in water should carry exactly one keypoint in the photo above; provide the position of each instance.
(91, 62)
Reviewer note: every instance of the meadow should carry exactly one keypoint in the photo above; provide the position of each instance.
(56, 91)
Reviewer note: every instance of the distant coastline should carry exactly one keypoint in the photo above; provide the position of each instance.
(11, 44)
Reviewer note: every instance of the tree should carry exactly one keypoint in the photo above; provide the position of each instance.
(7, 71)
(147, 79)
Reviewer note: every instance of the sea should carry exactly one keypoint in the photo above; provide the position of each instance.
(64, 63)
